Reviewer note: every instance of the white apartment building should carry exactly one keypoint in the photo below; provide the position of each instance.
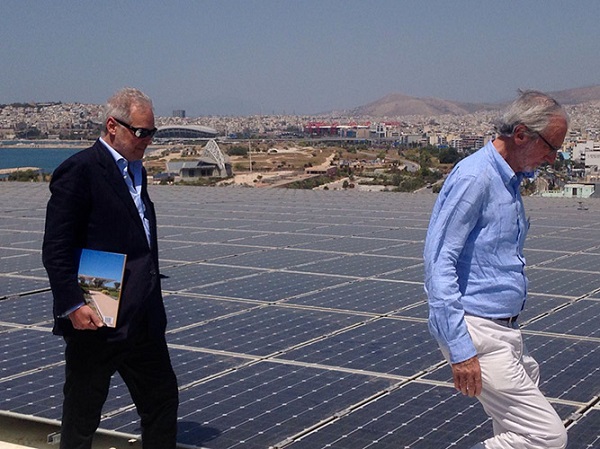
(579, 150)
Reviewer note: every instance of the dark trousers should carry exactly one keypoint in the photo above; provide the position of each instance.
(144, 365)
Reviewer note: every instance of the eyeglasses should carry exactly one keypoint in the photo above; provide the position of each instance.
(552, 147)
(140, 133)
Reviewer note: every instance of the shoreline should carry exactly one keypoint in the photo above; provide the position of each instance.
(45, 145)
(60, 145)
(8, 171)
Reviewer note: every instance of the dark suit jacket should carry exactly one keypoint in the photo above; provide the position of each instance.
(90, 207)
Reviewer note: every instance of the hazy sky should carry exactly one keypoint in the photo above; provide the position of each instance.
(293, 56)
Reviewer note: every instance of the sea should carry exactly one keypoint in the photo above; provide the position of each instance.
(46, 158)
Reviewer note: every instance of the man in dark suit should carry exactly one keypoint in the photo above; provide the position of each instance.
(100, 201)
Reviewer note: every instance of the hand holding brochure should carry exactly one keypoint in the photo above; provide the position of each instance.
(101, 278)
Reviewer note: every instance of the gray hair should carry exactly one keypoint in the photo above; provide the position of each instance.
(120, 104)
(534, 109)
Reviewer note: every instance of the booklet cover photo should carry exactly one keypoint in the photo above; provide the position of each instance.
(101, 278)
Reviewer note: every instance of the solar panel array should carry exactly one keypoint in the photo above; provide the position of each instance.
(297, 319)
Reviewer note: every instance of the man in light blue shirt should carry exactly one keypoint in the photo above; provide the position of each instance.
(475, 274)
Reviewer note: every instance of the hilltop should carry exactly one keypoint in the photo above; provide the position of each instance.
(397, 105)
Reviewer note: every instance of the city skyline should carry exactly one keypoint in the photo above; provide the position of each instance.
(281, 57)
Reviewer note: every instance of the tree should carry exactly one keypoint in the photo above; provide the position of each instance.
(237, 150)
(25, 175)
(449, 156)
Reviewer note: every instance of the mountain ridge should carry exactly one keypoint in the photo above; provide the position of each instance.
(397, 104)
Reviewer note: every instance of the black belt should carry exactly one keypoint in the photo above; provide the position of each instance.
(506, 321)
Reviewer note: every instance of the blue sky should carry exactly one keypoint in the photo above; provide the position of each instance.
(102, 264)
(240, 57)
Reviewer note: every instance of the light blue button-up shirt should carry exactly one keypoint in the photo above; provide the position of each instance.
(134, 185)
(474, 262)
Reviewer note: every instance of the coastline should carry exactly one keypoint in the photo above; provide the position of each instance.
(45, 144)
(8, 171)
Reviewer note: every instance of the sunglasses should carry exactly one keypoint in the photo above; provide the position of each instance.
(140, 133)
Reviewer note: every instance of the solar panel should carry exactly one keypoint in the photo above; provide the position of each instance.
(418, 310)
(297, 319)
(277, 258)
(270, 286)
(583, 262)
(257, 406)
(35, 309)
(186, 277)
(538, 304)
(15, 285)
(36, 393)
(370, 296)
(404, 249)
(358, 265)
(349, 244)
(577, 318)
(414, 272)
(585, 432)
(263, 330)
(24, 350)
(564, 244)
(185, 310)
(567, 370)
(576, 284)
(17, 239)
(569, 366)
(181, 252)
(413, 416)
(280, 240)
(536, 257)
(403, 234)
(388, 346)
(13, 261)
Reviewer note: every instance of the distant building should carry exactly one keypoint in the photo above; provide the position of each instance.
(354, 131)
(320, 129)
(177, 132)
(325, 171)
(583, 190)
(413, 139)
(581, 148)
(212, 163)
(464, 142)
(179, 113)
(588, 153)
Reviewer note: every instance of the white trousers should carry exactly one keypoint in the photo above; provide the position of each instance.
(522, 417)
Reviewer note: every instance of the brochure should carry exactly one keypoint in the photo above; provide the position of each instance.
(101, 278)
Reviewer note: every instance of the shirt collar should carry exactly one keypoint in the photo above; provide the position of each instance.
(123, 163)
(509, 177)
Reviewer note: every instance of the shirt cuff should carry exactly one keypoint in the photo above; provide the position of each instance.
(71, 310)
(461, 350)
